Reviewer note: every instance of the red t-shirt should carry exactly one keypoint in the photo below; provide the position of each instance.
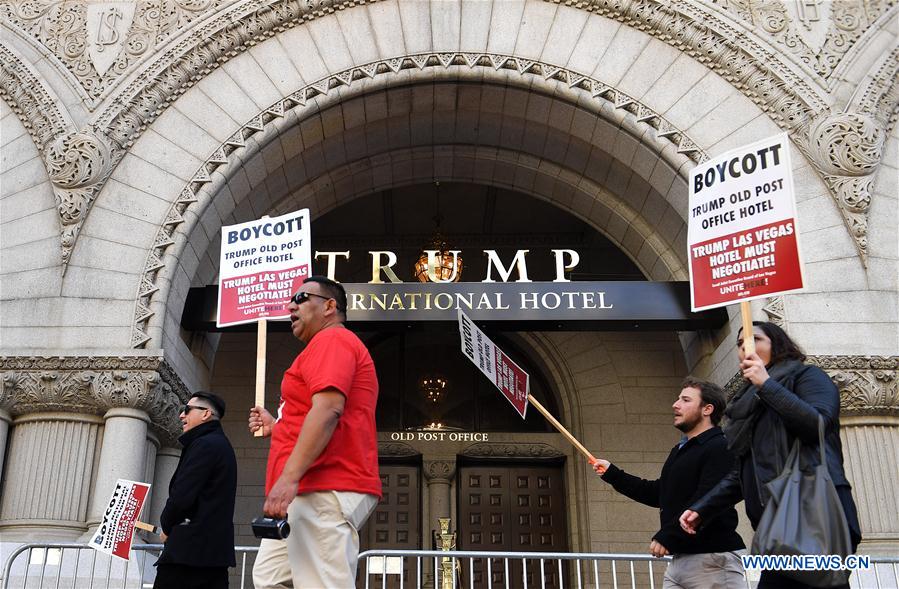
(334, 358)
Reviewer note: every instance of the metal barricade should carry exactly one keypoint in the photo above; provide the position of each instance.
(67, 565)
(77, 566)
(401, 569)
(459, 569)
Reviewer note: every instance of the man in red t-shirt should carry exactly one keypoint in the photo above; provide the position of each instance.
(322, 472)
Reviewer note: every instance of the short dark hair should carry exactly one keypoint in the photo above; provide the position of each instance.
(332, 289)
(218, 404)
(709, 394)
(782, 347)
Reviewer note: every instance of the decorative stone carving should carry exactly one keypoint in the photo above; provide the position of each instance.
(439, 470)
(98, 42)
(847, 144)
(847, 147)
(729, 50)
(869, 385)
(94, 385)
(881, 96)
(77, 163)
(599, 91)
(819, 32)
(511, 450)
(733, 386)
(774, 308)
(21, 88)
(107, 26)
(230, 32)
(396, 449)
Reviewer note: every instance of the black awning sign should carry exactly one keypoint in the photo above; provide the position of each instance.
(519, 305)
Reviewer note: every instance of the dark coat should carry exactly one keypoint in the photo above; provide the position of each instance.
(687, 475)
(789, 409)
(202, 490)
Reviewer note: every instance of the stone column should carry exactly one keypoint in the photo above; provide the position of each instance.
(48, 475)
(5, 420)
(121, 456)
(78, 424)
(439, 474)
(166, 462)
(869, 419)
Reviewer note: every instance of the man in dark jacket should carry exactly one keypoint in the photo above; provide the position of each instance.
(707, 560)
(197, 521)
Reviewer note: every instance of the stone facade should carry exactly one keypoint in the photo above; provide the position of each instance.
(132, 131)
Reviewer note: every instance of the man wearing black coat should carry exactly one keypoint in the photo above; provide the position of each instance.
(197, 521)
(697, 463)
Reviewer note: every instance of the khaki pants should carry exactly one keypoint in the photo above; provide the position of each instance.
(323, 546)
(712, 570)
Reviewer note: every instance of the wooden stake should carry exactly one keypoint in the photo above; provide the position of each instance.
(748, 334)
(148, 527)
(561, 428)
(261, 336)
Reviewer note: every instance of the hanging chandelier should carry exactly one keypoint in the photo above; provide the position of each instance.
(432, 387)
(438, 263)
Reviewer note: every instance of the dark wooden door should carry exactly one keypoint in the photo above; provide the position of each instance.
(512, 509)
(396, 522)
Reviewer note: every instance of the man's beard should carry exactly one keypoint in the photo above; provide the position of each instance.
(688, 423)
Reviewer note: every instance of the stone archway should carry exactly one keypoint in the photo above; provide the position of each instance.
(151, 151)
(654, 171)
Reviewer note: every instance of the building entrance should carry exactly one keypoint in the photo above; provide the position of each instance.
(396, 522)
(517, 508)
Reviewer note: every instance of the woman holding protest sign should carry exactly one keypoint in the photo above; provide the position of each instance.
(782, 401)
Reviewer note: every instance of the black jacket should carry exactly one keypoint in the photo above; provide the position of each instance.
(202, 490)
(687, 475)
(789, 409)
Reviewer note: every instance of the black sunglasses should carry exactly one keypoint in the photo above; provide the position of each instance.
(303, 296)
(187, 408)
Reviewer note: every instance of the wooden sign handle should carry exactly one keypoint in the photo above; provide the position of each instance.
(748, 334)
(261, 336)
(148, 527)
(561, 428)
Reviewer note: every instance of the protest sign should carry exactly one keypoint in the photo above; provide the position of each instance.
(511, 380)
(742, 239)
(114, 534)
(262, 263)
(505, 374)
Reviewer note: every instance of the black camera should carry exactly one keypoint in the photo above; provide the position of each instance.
(269, 527)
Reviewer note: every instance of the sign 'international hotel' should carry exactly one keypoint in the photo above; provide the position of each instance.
(540, 150)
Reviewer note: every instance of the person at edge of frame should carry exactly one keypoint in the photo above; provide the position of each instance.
(780, 401)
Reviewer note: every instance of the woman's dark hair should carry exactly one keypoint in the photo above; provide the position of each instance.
(782, 347)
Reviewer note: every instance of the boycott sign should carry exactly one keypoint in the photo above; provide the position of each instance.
(505, 374)
(742, 237)
(262, 264)
(113, 535)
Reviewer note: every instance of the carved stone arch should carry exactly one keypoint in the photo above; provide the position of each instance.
(212, 35)
(590, 201)
(78, 161)
(879, 97)
(606, 101)
(35, 105)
